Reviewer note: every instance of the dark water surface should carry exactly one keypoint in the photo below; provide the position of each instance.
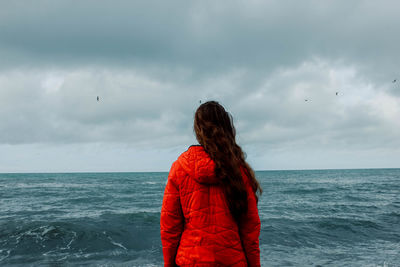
(309, 218)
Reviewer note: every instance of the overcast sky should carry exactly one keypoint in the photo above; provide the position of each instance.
(276, 66)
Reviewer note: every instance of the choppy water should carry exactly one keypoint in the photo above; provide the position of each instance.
(309, 218)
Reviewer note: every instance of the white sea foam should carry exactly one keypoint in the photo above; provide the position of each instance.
(47, 229)
(116, 243)
(149, 182)
(5, 256)
(70, 242)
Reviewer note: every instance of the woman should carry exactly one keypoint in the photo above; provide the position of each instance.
(209, 215)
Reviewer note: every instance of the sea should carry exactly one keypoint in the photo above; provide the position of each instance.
(308, 218)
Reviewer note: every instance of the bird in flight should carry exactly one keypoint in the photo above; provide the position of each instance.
(337, 93)
(395, 80)
(306, 100)
(98, 98)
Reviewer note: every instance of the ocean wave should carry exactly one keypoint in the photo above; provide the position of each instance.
(346, 223)
(51, 185)
(392, 219)
(308, 218)
(358, 198)
(321, 231)
(109, 233)
(302, 191)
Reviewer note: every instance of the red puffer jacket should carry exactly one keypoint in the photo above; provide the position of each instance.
(197, 228)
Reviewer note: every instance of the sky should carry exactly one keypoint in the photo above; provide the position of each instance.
(310, 84)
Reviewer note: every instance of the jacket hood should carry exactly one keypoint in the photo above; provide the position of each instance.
(198, 164)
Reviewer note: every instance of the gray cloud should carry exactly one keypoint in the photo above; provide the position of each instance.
(61, 107)
(205, 36)
(151, 62)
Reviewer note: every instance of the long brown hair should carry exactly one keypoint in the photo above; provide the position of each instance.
(214, 130)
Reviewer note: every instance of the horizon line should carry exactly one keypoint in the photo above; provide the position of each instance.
(265, 170)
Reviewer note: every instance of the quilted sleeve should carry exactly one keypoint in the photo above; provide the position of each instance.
(250, 229)
(171, 222)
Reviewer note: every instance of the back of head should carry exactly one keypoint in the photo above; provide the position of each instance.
(212, 124)
(215, 131)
